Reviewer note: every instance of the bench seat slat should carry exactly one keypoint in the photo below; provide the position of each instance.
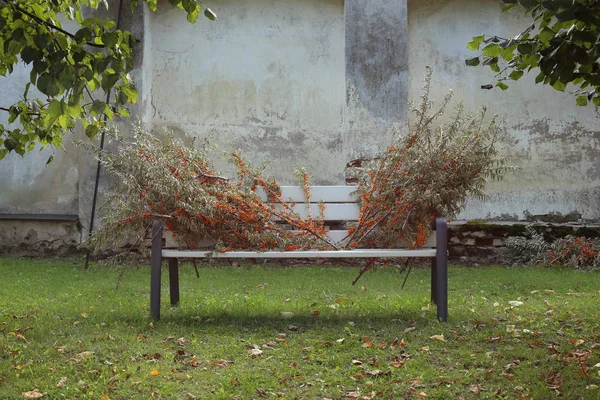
(327, 194)
(337, 235)
(359, 253)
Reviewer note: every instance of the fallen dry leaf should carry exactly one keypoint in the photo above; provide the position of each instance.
(154, 372)
(33, 394)
(85, 354)
(378, 372)
(255, 352)
(220, 363)
(357, 362)
(438, 337)
(368, 344)
(577, 342)
(397, 364)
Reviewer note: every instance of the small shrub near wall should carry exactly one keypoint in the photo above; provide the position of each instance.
(571, 251)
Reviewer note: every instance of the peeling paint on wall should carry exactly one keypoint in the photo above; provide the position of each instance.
(554, 142)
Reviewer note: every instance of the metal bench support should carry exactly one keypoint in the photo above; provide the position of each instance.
(156, 263)
(439, 274)
(174, 281)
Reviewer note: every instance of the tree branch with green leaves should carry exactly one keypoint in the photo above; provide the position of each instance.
(562, 44)
(71, 69)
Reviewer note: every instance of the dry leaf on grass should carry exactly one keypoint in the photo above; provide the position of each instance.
(220, 363)
(255, 352)
(33, 394)
(438, 337)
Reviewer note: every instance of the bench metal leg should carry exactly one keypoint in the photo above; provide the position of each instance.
(433, 280)
(441, 269)
(174, 281)
(155, 267)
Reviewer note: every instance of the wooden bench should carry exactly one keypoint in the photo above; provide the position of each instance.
(341, 207)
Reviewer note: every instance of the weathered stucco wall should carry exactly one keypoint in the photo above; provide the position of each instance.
(317, 83)
(555, 142)
(267, 79)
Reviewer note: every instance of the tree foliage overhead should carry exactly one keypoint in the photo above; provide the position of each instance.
(72, 69)
(562, 42)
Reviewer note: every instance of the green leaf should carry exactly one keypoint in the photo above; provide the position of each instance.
(472, 45)
(91, 131)
(131, 92)
(55, 110)
(472, 62)
(508, 53)
(193, 15)
(524, 48)
(596, 101)
(515, 75)
(84, 34)
(528, 4)
(110, 39)
(28, 54)
(50, 159)
(491, 50)
(3, 153)
(507, 7)
(42, 82)
(10, 144)
(582, 101)
(546, 34)
(567, 14)
(109, 80)
(540, 77)
(502, 85)
(208, 13)
(98, 106)
(558, 85)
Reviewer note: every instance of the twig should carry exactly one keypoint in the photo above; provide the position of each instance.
(407, 274)
(49, 25)
(8, 110)
(203, 175)
(374, 225)
(196, 268)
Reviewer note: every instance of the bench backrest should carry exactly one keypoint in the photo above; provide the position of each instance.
(340, 206)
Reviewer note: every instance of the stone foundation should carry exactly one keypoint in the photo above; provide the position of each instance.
(39, 238)
(483, 242)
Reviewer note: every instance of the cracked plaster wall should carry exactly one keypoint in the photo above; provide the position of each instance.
(556, 143)
(267, 79)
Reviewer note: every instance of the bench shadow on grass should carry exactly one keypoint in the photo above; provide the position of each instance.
(197, 319)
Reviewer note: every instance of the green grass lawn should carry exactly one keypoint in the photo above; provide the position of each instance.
(297, 333)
